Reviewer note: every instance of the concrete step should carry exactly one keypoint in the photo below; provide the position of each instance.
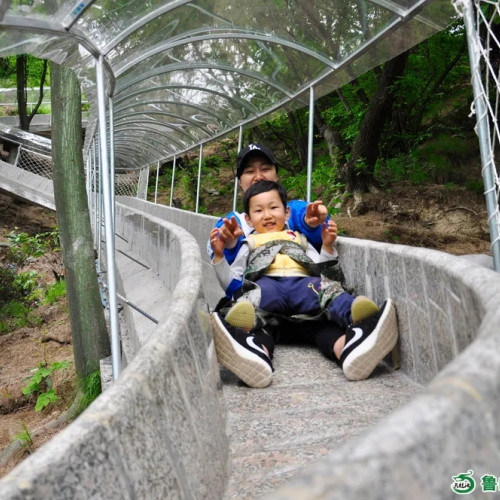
(309, 410)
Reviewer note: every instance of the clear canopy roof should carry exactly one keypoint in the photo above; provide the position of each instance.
(184, 72)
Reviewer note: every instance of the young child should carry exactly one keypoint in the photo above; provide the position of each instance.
(284, 269)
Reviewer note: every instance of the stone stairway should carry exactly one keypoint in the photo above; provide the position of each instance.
(309, 410)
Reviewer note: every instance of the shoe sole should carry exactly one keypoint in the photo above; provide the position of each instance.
(246, 365)
(363, 308)
(362, 361)
(241, 315)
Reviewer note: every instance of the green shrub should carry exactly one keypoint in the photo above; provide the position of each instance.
(13, 315)
(24, 246)
(55, 292)
(7, 290)
(40, 383)
(91, 388)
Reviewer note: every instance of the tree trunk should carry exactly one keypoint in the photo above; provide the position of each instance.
(332, 137)
(358, 171)
(36, 107)
(21, 67)
(298, 136)
(88, 326)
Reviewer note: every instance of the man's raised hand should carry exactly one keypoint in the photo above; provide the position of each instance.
(316, 213)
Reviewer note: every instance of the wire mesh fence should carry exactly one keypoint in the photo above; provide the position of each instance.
(126, 183)
(34, 162)
(482, 21)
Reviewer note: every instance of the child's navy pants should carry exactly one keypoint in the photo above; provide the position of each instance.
(299, 295)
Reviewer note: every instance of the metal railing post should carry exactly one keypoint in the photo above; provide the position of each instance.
(94, 201)
(108, 221)
(483, 133)
(199, 179)
(240, 143)
(156, 185)
(172, 184)
(112, 157)
(310, 143)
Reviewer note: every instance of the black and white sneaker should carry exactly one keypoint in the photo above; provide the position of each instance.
(238, 351)
(368, 342)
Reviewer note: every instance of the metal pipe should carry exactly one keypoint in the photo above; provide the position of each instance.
(156, 185)
(310, 143)
(88, 183)
(172, 185)
(94, 200)
(483, 132)
(240, 143)
(112, 155)
(110, 237)
(99, 217)
(199, 179)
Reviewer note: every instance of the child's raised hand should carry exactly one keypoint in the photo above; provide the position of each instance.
(217, 244)
(328, 235)
(230, 231)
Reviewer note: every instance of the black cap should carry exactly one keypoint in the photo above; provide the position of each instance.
(252, 150)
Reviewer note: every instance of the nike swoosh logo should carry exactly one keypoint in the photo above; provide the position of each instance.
(253, 345)
(358, 333)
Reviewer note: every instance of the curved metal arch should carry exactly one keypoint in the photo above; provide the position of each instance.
(124, 133)
(162, 113)
(126, 144)
(150, 130)
(193, 65)
(129, 155)
(250, 107)
(47, 27)
(168, 102)
(75, 13)
(261, 37)
(142, 22)
(164, 125)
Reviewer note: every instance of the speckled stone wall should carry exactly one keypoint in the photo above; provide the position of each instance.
(159, 431)
(449, 320)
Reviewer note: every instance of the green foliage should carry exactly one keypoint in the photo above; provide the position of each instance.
(55, 292)
(323, 184)
(476, 186)
(26, 283)
(25, 437)
(24, 246)
(20, 292)
(35, 68)
(13, 315)
(40, 383)
(401, 167)
(91, 388)
(7, 290)
(45, 399)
